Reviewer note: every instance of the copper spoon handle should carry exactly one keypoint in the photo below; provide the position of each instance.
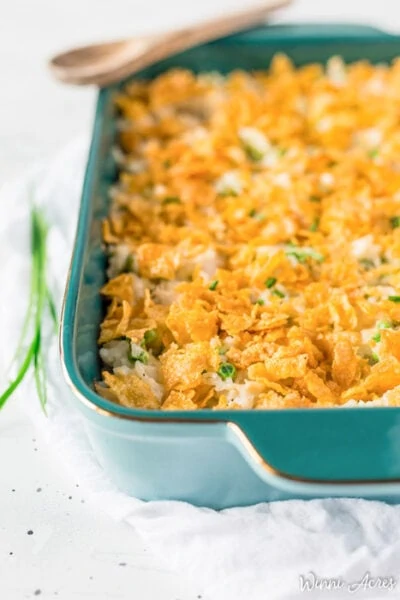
(103, 64)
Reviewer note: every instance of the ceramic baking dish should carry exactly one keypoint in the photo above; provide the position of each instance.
(221, 458)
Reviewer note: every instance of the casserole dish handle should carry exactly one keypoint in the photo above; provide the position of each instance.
(329, 452)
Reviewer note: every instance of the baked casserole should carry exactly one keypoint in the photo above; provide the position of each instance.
(254, 240)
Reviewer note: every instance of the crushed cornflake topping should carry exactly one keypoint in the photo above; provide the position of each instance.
(254, 240)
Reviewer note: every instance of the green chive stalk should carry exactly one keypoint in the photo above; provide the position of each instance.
(40, 298)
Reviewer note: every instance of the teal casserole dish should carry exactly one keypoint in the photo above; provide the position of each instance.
(221, 458)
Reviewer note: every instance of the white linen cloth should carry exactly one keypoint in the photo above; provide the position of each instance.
(254, 553)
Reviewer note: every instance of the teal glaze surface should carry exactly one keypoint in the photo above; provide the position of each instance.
(159, 455)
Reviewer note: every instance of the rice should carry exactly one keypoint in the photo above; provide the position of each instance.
(116, 354)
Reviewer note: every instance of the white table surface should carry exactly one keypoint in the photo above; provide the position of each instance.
(75, 553)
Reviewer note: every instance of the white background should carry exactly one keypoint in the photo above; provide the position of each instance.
(73, 553)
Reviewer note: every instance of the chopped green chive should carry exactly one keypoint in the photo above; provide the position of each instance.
(227, 371)
(253, 153)
(314, 225)
(301, 254)
(278, 293)
(301, 258)
(395, 222)
(142, 357)
(260, 301)
(373, 359)
(171, 200)
(385, 324)
(228, 192)
(373, 153)
(213, 285)
(256, 215)
(270, 282)
(128, 265)
(152, 341)
(367, 263)
(315, 199)
(395, 299)
(150, 336)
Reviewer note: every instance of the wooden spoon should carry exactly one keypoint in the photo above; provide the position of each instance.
(103, 64)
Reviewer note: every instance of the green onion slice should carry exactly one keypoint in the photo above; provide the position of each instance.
(227, 371)
(302, 253)
(213, 285)
(270, 282)
(395, 222)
